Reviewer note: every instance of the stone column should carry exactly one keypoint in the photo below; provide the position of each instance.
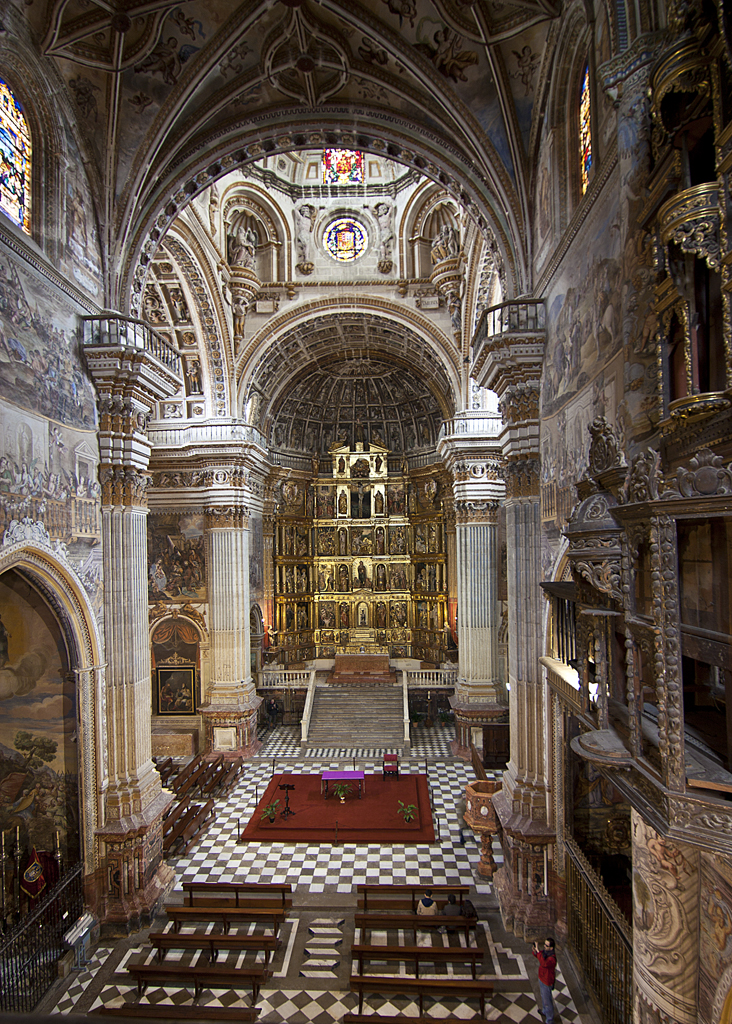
(509, 349)
(472, 456)
(230, 711)
(132, 369)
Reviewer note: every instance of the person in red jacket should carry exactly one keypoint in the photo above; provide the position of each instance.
(547, 973)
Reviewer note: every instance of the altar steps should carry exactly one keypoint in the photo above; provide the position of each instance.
(362, 715)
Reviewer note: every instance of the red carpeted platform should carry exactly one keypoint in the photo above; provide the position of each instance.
(372, 819)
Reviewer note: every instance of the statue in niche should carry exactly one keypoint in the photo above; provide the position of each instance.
(379, 503)
(341, 465)
(302, 580)
(344, 616)
(381, 614)
(343, 578)
(420, 545)
(362, 575)
(363, 619)
(380, 539)
(288, 540)
(342, 504)
(435, 617)
(242, 247)
(180, 308)
(385, 219)
(432, 539)
(445, 245)
(380, 577)
(289, 617)
(342, 542)
(193, 373)
(432, 573)
(289, 580)
(302, 617)
(378, 463)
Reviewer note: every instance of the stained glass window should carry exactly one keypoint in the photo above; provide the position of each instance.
(342, 167)
(345, 239)
(585, 130)
(15, 160)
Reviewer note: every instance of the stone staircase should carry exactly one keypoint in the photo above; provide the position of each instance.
(360, 715)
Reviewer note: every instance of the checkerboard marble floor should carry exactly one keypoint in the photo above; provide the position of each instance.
(309, 984)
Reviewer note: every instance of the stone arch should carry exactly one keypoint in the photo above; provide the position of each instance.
(435, 347)
(489, 197)
(27, 550)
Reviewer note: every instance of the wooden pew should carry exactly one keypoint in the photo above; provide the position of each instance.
(191, 781)
(233, 771)
(193, 827)
(193, 765)
(419, 954)
(413, 923)
(460, 988)
(200, 977)
(404, 897)
(174, 1011)
(240, 893)
(174, 814)
(211, 943)
(172, 838)
(226, 916)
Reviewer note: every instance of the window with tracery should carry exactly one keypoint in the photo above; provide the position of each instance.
(585, 130)
(15, 159)
(342, 167)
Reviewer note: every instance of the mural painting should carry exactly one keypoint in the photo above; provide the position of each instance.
(256, 559)
(176, 558)
(38, 732)
(40, 368)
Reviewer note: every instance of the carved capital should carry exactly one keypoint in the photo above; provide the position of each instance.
(522, 478)
(123, 486)
(470, 513)
(226, 517)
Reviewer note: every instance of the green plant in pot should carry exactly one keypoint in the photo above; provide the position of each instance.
(408, 812)
(342, 790)
(270, 811)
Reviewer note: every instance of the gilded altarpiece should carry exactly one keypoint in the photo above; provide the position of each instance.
(360, 563)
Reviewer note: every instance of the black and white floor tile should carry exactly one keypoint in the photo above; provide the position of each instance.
(309, 973)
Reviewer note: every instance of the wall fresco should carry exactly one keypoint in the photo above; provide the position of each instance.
(38, 738)
(176, 558)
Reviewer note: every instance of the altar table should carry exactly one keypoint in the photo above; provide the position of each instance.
(327, 777)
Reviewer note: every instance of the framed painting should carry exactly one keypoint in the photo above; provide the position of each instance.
(175, 687)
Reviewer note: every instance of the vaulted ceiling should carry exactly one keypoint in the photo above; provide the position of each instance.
(171, 95)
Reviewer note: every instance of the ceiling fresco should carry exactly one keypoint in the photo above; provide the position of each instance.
(157, 82)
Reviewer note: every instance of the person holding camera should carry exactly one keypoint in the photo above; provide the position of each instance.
(547, 975)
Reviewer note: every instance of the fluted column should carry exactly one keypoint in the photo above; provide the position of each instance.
(132, 369)
(470, 451)
(230, 711)
(509, 348)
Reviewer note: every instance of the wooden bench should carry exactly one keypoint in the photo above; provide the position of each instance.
(404, 897)
(174, 814)
(174, 1011)
(193, 827)
(233, 771)
(193, 765)
(200, 976)
(226, 916)
(191, 780)
(182, 820)
(413, 923)
(211, 943)
(460, 988)
(419, 954)
(242, 893)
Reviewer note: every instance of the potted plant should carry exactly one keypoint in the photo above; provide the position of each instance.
(342, 790)
(415, 718)
(408, 811)
(270, 811)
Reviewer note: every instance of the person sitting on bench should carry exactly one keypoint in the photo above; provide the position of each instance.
(427, 906)
(451, 909)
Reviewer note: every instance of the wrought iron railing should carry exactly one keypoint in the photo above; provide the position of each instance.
(127, 332)
(30, 952)
(600, 936)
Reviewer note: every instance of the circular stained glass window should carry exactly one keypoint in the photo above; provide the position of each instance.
(345, 239)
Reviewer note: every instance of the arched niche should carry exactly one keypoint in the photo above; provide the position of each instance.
(39, 582)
